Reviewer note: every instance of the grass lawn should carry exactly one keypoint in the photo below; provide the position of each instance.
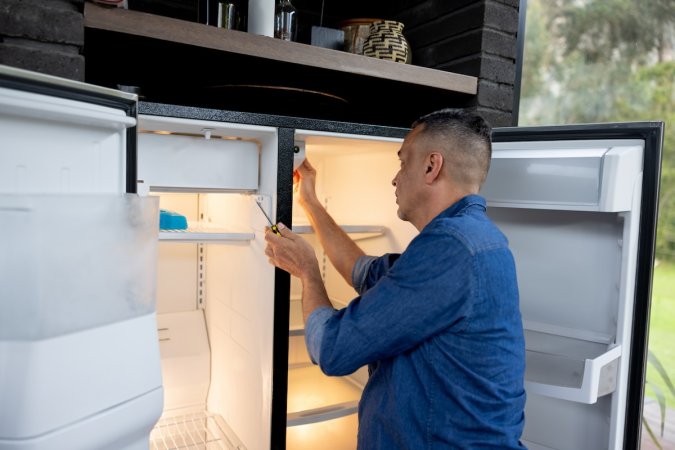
(662, 329)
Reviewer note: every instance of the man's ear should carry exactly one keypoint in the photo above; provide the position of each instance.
(433, 165)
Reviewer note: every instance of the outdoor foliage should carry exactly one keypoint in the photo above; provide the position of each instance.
(605, 61)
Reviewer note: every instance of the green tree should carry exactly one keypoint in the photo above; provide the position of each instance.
(605, 61)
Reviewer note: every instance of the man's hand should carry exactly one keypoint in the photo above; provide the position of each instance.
(291, 253)
(304, 179)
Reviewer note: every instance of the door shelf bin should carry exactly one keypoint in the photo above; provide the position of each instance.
(569, 368)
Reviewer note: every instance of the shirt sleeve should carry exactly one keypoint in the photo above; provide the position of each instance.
(314, 330)
(360, 272)
(423, 293)
(369, 269)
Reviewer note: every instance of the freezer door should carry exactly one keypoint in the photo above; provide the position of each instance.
(78, 340)
(61, 136)
(578, 205)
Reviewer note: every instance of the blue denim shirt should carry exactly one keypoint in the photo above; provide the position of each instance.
(440, 329)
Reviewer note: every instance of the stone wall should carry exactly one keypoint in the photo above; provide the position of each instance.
(477, 38)
(45, 36)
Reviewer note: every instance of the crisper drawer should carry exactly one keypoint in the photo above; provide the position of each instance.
(193, 155)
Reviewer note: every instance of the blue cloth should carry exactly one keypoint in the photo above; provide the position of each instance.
(440, 329)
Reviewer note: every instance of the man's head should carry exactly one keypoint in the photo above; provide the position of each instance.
(445, 157)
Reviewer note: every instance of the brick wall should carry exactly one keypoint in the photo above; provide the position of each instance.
(470, 37)
(45, 36)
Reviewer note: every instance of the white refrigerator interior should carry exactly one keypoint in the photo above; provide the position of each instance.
(80, 362)
(354, 184)
(215, 295)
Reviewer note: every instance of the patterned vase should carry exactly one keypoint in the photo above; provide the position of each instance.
(386, 41)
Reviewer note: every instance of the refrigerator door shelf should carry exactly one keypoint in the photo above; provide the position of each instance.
(51, 144)
(569, 368)
(564, 175)
(121, 427)
(51, 384)
(592, 378)
(110, 241)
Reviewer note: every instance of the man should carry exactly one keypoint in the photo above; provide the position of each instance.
(438, 325)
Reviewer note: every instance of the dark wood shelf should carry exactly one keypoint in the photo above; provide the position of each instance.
(192, 64)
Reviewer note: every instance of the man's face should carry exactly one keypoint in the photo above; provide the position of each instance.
(409, 180)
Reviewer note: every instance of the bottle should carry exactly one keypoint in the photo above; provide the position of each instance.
(285, 21)
(227, 15)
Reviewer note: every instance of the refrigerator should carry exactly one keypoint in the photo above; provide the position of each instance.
(225, 349)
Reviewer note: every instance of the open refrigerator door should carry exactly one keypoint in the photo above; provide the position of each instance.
(77, 278)
(578, 205)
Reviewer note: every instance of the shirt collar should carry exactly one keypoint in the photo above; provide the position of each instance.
(462, 204)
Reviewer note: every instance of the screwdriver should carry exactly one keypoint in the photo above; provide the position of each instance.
(273, 227)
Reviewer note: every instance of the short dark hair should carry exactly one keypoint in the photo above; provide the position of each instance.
(456, 118)
(467, 138)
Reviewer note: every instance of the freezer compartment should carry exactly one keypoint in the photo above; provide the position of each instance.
(51, 144)
(215, 310)
(110, 241)
(192, 155)
(565, 175)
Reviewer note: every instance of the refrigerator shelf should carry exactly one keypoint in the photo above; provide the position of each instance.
(314, 397)
(204, 233)
(356, 232)
(570, 368)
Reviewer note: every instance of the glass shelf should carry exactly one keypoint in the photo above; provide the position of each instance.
(356, 232)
